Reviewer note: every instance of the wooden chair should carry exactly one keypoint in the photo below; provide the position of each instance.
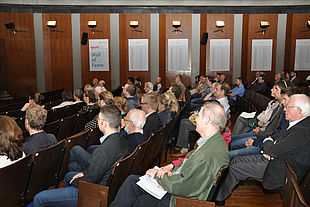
(80, 139)
(141, 150)
(46, 169)
(305, 187)
(291, 193)
(79, 122)
(59, 113)
(94, 137)
(52, 128)
(14, 182)
(186, 202)
(66, 126)
(94, 195)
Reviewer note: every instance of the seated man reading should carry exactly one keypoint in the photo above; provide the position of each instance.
(191, 177)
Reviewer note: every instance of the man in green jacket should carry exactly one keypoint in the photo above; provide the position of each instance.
(191, 177)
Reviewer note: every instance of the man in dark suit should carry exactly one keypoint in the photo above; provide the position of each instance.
(149, 105)
(134, 122)
(291, 142)
(294, 79)
(113, 148)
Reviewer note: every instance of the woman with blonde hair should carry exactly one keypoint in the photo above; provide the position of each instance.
(168, 106)
(10, 141)
(121, 103)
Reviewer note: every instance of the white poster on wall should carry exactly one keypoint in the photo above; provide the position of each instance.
(302, 54)
(261, 55)
(219, 54)
(138, 54)
(99, 54)
(178, 55)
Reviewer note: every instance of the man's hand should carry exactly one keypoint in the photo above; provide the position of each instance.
(249, 143)
(168, 167)
(260, 123)
(151, 172)
(76, 176)
(256, 130)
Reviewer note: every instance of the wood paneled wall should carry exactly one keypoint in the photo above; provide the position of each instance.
(103, 24)
(125, 33)
(208, 25)
(58, 52)
(251, 24)
(165, 33)
(17, 54)
(295, 24)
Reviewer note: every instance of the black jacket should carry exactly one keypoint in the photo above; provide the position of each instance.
(134, 140)
(294, 145)
(111, 150)
(152, 124)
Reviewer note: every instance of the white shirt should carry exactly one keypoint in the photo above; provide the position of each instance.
(105, 136)
(224, 102)
(146, 115)
(63, 104)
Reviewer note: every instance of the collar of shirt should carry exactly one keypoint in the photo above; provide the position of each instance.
(202, 140)
(146, 115)
(105, 136)
(291, 124)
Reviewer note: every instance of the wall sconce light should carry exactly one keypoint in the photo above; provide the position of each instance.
(219, 24)
(308, 25)
(264, 26)
(93, 24)
(11, 26)
(134, 24)
(176, 25)
(52, 25)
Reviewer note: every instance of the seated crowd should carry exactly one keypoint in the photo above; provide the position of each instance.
(255, 147)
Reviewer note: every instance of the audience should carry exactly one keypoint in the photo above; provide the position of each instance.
(98, 171)
(294, 79)
(102, 84)
(157, 86)
(167, 104)
(149, 104)
(134, 123)
(34, 124)
(78, 96)
(148, 87)
(121, 103)
(34, 99)
(95, 82)
(261, 86)
(66, 98)
(90, 100)
(188, 177)
(129, 92)
(10, 141)
(291, 142)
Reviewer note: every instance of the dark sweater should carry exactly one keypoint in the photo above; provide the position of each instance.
(134, 140)
(38, 141)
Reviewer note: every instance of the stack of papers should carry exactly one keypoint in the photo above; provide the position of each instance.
(151, 186)
(248, 115)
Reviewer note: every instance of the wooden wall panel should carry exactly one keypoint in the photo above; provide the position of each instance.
(58, 52)
(227, 34)
(203, 48)
(17, 54)
(165, 33)
(295, 24)
(251, 24)
(125, 33)
(103, 24)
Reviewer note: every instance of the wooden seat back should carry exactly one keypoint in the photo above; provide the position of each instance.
(52, 128)
(94, 137)
(79, 122)
(66, 126)
(46, 169)
(92, 195)
(186, 202)
(14, 181)
(141, 150)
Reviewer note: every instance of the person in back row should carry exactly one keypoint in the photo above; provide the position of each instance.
(66, 98)
(34, 124)
(129, 91)
(149, 105)
(113, 148)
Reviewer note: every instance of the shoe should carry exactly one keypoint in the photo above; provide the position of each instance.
(220, 203)
(179, 154)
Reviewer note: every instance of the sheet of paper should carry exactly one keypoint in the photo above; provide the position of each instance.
(302, 54)
(261, 55)
(99, 54)
(248, 115)
(178, 55)
(138, 54)
(219, 54)
(151, 186)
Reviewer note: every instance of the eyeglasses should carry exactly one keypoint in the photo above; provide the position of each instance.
(290, 107)
(127, 120)
(142, 103)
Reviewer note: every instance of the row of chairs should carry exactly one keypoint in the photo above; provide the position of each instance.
(18, 103)
(21, 181)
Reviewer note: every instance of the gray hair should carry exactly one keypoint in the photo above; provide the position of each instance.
(215, 112)
(149, 85)
(302, 101)
(78, 93)
(137, 117)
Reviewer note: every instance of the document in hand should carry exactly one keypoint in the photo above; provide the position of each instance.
(248, 115)
(151, 186)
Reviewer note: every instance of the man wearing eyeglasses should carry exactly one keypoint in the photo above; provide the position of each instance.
(149, 105)
(291, 142)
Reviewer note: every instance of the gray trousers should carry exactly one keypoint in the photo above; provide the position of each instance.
(185, 127)
(241, 126)
(241, 168)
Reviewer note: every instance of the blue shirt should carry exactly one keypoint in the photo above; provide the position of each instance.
(239, 90)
